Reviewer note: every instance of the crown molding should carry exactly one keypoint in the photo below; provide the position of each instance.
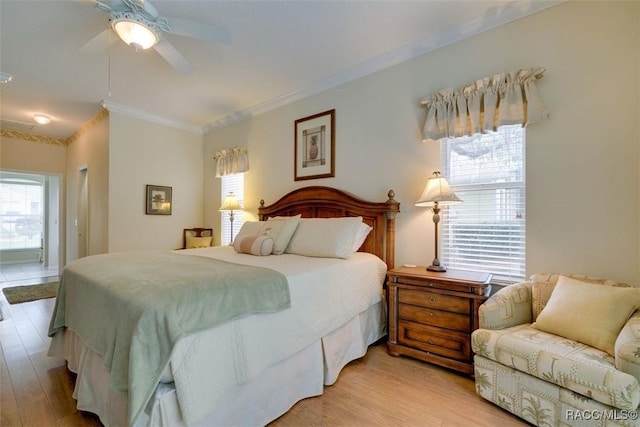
(132, 112)
(510, 12)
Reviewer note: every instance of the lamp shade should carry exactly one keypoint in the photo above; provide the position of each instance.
(438, 191)
(230, 203)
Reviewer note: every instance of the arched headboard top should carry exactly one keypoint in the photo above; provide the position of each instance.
(327, 202)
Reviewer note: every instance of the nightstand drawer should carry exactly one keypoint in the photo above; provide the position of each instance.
(449, 344)
(433, 317)
(434, 300)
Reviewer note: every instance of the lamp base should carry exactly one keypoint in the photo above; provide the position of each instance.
(439, 268)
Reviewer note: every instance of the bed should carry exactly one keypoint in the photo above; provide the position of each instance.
(288, 348)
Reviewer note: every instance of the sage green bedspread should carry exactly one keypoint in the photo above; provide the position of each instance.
(132, 308)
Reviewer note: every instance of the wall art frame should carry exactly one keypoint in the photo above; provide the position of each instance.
(159, 200)
(314, 146)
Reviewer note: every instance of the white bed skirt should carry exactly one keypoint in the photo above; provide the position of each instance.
(256, 403)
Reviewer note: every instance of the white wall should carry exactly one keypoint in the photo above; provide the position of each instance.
(34, 157)
(583, 167)
(142, 153)
(582, 179)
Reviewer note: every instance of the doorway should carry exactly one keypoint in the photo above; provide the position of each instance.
(82, 221)
(29, 226)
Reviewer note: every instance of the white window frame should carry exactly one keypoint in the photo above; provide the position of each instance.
(231, 183)
(487, 232)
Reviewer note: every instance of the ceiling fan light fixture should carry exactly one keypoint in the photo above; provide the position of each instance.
(5, 77)
(135, 33)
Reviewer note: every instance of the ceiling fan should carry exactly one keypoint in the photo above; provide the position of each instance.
(140, 25)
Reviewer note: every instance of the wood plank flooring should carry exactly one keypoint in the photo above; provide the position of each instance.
(377, 390)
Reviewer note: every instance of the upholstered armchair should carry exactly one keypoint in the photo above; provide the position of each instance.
(561, 351)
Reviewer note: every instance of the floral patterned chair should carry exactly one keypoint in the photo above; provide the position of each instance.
(558, 355)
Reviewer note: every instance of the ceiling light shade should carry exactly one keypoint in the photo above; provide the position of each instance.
(5, 77)
(42, 119)
(134, 30)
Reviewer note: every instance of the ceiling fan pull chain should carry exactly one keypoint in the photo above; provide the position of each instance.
(109, 67)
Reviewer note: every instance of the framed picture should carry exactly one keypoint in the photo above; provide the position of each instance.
(158, 200)
(314, 146)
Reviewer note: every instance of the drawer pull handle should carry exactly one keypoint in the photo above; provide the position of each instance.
(432, 299)
(431, 341)
(431, 313)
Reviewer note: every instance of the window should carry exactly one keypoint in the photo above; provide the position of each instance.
(231, 183)
(21, 213)
(486, 232)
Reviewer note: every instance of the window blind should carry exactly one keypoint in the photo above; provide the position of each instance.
(231, 183)
(486, 232)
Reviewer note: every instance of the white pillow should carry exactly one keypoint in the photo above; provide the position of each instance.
(254, 245)
(280, 229)
(361, 236)
(325, 237)
(250, 228)
(286, 226)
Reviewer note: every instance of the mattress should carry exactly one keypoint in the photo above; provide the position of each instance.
(326, 295)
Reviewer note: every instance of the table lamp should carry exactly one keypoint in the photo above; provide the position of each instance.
(437, 193)
(230, 204)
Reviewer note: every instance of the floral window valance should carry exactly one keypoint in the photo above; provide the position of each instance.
(231, 161)
(504, 99)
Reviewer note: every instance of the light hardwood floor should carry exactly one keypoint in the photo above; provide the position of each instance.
(377, 390)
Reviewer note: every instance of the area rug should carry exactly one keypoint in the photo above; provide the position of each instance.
(18, 294)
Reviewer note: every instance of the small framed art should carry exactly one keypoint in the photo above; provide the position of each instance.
(315, 146)
(158, 200)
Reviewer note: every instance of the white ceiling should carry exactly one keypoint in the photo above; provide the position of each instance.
(280, 51)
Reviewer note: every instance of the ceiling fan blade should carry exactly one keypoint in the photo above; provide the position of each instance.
(99, 43)
(172, 56)
(196, 30)
(100, 4)
(87, 2)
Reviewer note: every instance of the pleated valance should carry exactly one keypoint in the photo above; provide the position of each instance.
(504, 99)
(231, 160)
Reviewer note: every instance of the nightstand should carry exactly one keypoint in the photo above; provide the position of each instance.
(432, 314)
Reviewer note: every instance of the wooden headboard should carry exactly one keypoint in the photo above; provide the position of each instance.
(326, 202)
